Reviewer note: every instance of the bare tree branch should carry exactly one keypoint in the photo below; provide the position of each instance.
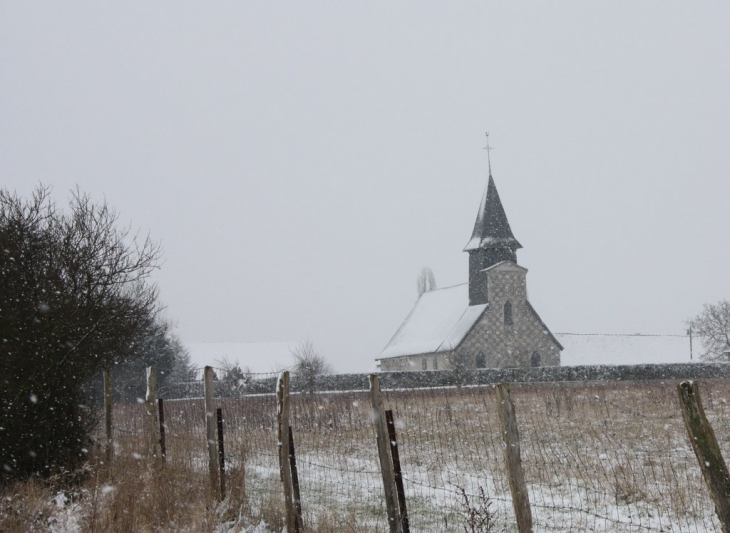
(309, 364)
(713, 327)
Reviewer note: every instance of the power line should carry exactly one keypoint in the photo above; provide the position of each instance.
(620, 335)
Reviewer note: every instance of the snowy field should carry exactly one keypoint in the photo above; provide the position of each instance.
(597, 456)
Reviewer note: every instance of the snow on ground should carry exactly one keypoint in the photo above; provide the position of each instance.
(67, 515)
(626, 349)
(258, 357)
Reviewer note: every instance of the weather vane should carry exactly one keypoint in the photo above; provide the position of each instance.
(489, 149)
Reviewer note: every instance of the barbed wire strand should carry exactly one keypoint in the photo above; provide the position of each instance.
(597, 456)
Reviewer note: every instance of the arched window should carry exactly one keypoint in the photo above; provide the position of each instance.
(508, 320)
(535, 359)
(481, 360)
(424, 364)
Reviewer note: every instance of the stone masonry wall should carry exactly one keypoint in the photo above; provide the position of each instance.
(409, 363)
(408, 380)
(507, 345)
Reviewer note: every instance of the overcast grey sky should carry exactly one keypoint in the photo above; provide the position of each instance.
(301, 162)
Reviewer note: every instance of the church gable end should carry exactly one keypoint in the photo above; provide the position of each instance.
(510, 333)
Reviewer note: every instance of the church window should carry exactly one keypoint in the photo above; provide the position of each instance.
(508, 320)
(424, 364)
(481, 360)
(435, 363)
(535, 359)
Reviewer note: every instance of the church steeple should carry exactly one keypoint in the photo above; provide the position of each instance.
(491, 242)
(491, 229)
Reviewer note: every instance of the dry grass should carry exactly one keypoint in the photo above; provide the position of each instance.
(26, 507)
(597, 457)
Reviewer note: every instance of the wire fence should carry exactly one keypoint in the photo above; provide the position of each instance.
(610, 458)
(597, 456)
(339, 470)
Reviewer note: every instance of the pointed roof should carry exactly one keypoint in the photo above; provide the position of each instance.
(491, 229)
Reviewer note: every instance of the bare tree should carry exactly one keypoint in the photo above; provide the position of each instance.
(234, 378)
(425, 282)
(712, 325)
(309, 364)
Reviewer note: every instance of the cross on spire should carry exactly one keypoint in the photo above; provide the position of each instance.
(489, 159)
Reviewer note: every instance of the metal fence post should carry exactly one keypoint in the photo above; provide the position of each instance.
(295, 483)
(108, 427)
(163, 444)
(221, 452)
(210, 426)
(397, 474)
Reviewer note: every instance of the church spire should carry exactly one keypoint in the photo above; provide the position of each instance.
(492, 229)
(491, 241)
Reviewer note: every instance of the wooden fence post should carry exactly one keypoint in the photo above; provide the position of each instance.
(386, 461)
(153, 444)
(282, 411)
(210, 432)
(704, 443)
(397, 474)
(511, 436)
(221, 453)
(163, 444)
(108, 419)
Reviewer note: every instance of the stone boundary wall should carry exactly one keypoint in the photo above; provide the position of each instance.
(446, 378)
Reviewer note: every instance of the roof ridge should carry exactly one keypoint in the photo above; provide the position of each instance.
(449, 287)
(240, 342)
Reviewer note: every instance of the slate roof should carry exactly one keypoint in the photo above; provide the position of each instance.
(438, 323)
(491, 229)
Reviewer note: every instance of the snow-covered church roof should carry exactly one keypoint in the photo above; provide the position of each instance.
(438, 323)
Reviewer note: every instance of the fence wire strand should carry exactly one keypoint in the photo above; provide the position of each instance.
(596, 456)
(594, 461)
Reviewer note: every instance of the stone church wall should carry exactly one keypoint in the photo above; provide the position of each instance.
(510, 345)
(409, 380)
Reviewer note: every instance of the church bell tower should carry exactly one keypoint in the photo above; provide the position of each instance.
(491, 242)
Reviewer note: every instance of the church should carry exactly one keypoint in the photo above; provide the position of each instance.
(485, 323)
